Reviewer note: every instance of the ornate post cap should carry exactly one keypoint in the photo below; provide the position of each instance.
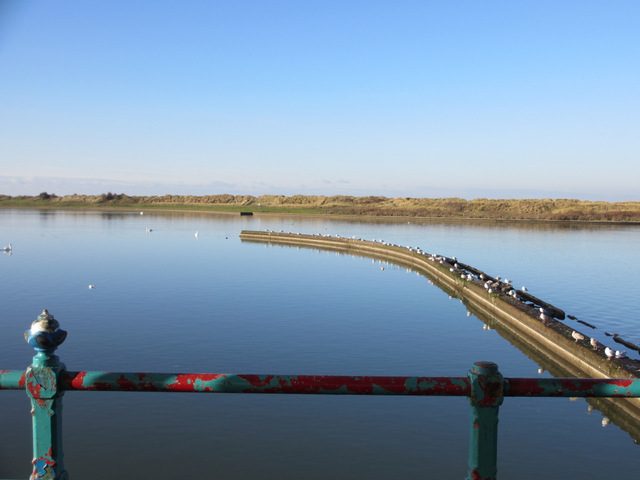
(45, 333)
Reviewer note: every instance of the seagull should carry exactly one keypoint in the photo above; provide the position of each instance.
(577, 336)
(91, 287)
(609, 353)
(594, 343)
(7, 248)
(621, 353)
(605, 421)
(524, 289)
(196, 234)
(544, 316)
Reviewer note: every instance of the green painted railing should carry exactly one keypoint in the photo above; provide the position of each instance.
(46, 380)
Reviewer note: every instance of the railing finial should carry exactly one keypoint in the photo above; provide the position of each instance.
(45, 334)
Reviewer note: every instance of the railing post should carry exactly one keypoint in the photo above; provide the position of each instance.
(42, 384)
(487, 387)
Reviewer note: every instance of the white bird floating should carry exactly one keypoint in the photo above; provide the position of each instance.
(577, 336)
(91, 287)
(196, 234)
(609, 353)
(7, 248)
(605, 421)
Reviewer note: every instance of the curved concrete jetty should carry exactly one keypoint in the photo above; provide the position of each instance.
(526, 321)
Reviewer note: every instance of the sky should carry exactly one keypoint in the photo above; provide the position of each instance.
(493, 99)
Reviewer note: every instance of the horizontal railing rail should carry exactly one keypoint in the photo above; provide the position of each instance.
(47, 379)
(99, 381)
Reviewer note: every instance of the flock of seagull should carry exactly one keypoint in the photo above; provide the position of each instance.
(495, 285)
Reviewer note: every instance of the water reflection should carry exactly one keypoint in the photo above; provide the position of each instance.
(613, 409)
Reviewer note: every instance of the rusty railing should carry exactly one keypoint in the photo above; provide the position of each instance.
(46, 380)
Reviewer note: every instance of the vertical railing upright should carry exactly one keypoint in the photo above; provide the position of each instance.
(487, 389)
(44, 389)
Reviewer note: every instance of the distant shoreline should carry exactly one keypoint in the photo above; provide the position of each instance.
(503, 210)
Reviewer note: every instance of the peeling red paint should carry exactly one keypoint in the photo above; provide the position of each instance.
(76, 381)
(341, 384)
(475, 475)
(34, 389)
(187, 382)
(567, 387)
(125, 384)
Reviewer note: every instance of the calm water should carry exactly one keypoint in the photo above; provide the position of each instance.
(167, 301)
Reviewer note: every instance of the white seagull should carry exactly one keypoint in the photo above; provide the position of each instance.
(609, 353)
(7, 248)
(543, 315)
(577, 336)
(91, 287)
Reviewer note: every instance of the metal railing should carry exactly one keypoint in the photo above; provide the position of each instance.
(46, 380)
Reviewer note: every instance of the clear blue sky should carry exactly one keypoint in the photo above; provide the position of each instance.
(498, 99)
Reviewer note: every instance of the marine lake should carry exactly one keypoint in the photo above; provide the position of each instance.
(168, 301)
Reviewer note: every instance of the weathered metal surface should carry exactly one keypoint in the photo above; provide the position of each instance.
(45, 334)
(298, 384)
(12, 379)
(487, 386)
(46, 398)
(572, 387)
(46, 380)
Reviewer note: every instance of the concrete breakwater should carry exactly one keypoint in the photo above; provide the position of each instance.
(531, 324)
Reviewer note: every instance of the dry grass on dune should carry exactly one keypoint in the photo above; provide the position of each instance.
(508, 209)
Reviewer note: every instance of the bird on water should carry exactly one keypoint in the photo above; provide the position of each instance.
(7, 248)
